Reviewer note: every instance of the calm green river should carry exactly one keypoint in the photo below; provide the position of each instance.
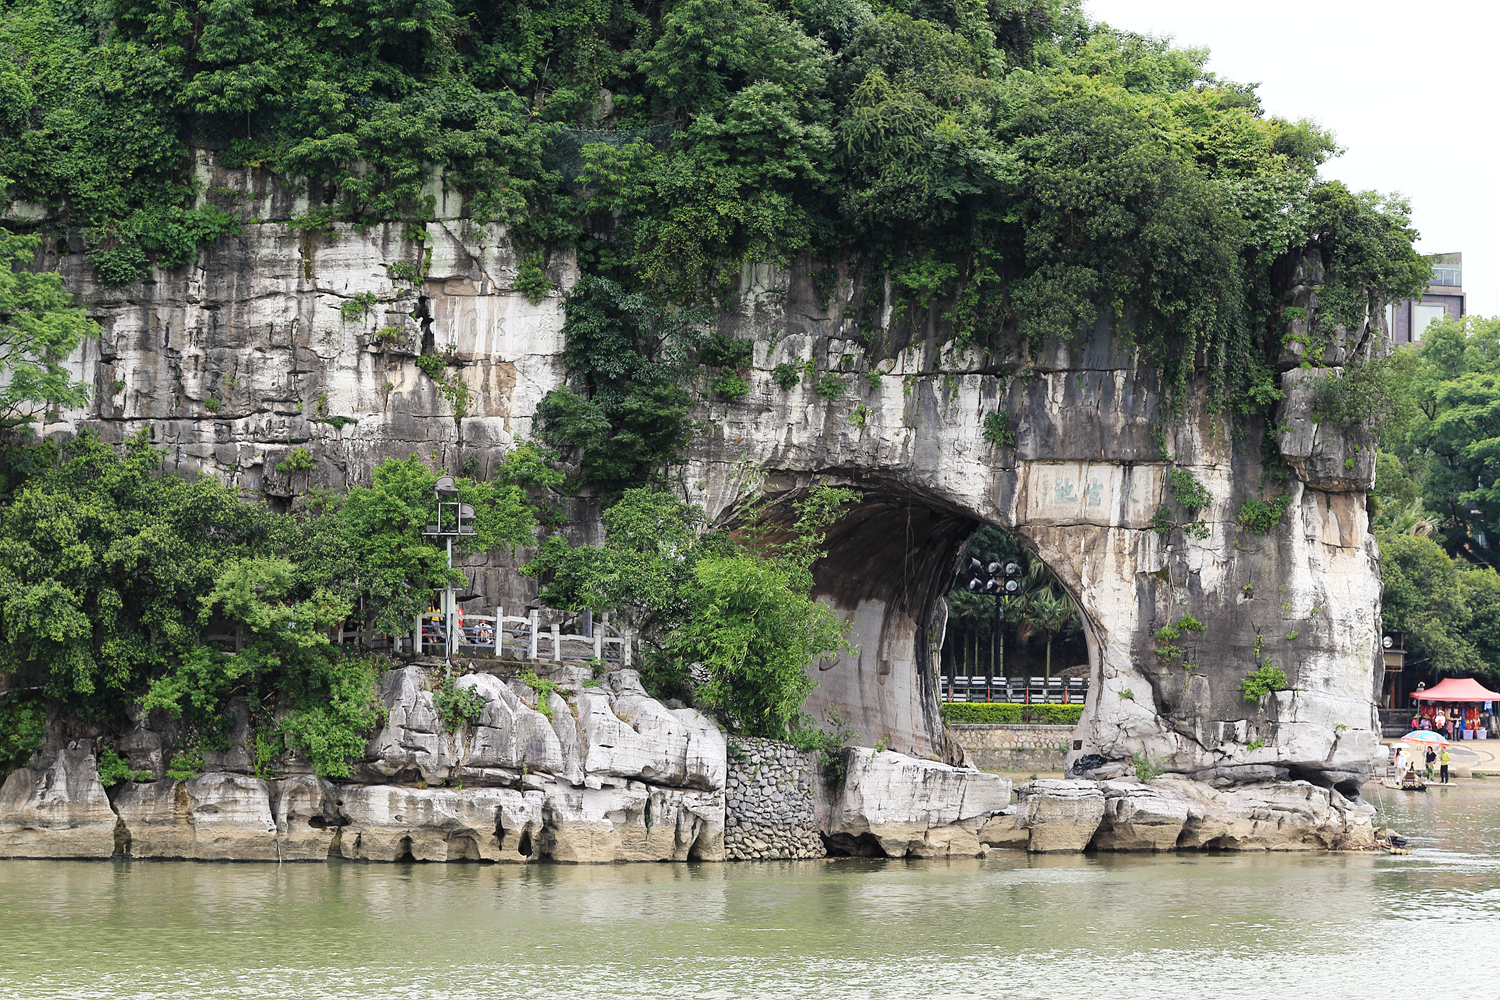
(1202, 925)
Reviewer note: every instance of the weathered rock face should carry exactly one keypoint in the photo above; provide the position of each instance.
(59, 811)
(214, 816)
(1177, 812)
(1138, 817)
(1271, 816)
(1061, 815)
(899, 806)
(255, 326)
(606, 774)
(390, 823)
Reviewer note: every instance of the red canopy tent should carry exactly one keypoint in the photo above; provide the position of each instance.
(1457, 689)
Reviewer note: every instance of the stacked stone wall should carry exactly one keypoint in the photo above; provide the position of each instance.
(769, 804)
(1016, 747)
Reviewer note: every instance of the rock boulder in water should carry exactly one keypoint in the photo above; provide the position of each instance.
(60, 811)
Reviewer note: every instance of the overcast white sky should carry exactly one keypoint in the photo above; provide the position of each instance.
(1409, 88)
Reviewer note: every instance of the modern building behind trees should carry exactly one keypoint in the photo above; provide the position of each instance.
(1444, 296)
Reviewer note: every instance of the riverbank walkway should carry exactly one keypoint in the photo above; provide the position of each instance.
(1471, 755)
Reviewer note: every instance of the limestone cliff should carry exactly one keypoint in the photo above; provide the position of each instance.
(264, 344)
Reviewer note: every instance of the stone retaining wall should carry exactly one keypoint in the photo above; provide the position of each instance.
(1016, 747)
(769, 802)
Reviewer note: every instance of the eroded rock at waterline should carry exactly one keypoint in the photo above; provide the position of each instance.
(909, 807)
(215, 816)
(58, 811)
(1138, 817)
(632, 821)
(1274, 816)
(1175, 812)
(392, 823)
(1060, 814)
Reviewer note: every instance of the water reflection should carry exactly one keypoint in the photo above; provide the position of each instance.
(1225, 925)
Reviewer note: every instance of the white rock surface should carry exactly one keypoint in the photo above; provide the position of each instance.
(1139, 817)
(412, 740)
(1275, 816)
(305, 812)
(390, 823)
(907, 806)
(511, 734)
(215, 816)
(632, 821)
(1060, 814)
(59, 812)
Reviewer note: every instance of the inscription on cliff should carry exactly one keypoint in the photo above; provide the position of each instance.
(1091, 493)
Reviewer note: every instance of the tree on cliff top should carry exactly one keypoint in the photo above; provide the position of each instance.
(1011, 165)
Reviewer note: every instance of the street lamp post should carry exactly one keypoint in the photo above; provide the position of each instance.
(462, 517)
(1003, 580)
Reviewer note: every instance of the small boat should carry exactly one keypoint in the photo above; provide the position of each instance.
(1412, 782)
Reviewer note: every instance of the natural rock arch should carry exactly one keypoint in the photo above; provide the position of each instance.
(255, 326)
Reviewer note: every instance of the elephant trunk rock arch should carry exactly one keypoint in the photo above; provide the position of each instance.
(1079, 472)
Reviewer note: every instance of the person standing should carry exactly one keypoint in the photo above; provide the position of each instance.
(1443, 758)
(1431, 760)
(1440, 722)
(1458, 726)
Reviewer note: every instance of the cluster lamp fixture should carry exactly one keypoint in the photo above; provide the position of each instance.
(1003, 582)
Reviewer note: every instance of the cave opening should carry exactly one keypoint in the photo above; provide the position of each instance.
(890, 571)
(1024, 648)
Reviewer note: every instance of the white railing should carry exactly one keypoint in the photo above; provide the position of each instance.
(524, 638)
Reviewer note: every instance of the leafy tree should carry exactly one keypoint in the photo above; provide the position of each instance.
(740, 608)
(381, 526)
(1048, 612)
(114, 576)
(39, 328)
(1447, 436)
(102, 563)
(1423, 595)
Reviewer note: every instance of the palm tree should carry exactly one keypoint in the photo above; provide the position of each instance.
(1048, 612)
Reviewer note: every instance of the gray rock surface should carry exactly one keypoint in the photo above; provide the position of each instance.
(1060, 814)
(1275, 816)
(910, 807)
(392, 823)
(215, 816)
(412, 742)
(631, 821)
(771, 799)
(1324, 454)
(59, 811)
(1138, 817)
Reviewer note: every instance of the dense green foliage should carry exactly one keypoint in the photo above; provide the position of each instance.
(1263, 680)
(22, 730)
(1010, 164)
(1437, 510)
(740, 608)
(959, 713)
(123, 585)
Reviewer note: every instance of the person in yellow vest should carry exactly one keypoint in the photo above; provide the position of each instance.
(1443, 764)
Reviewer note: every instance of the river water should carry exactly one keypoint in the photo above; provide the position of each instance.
(1172, 925)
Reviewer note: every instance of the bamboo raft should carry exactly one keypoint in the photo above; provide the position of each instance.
(1413, 782)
